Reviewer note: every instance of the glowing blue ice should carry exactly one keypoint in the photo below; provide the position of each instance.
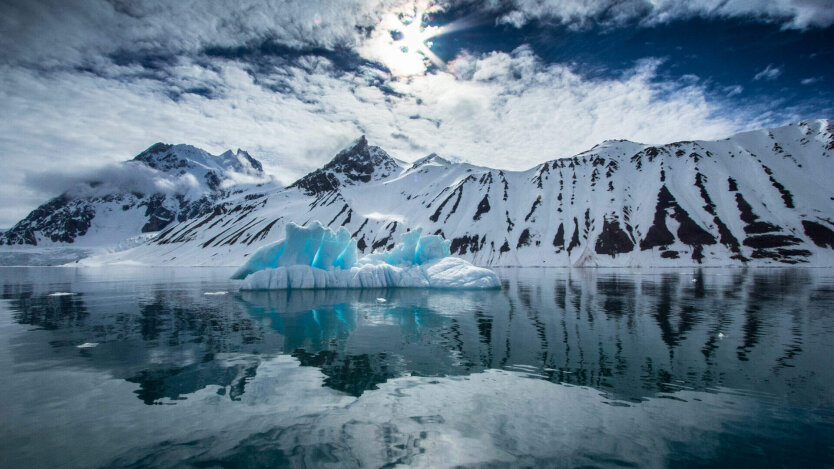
(314, 246)
(318, 257)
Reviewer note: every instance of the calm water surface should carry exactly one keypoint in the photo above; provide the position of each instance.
(136, 367)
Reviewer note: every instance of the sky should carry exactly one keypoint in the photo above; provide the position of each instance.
(508, 84)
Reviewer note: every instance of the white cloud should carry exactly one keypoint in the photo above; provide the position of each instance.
(734, 90)
(771, 72)
(503, 110)
(54, 32)
(811, 80)
(67, 105)
(133, 177)
(798, 14)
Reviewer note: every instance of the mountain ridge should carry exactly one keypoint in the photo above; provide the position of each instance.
(756, 198)
(164, 183)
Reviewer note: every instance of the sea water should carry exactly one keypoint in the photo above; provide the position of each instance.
(142, 367)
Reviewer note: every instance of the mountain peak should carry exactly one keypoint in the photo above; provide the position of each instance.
(181, 157)
(433, 158)
(359, 162)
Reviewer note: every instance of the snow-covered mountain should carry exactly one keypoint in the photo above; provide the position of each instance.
(758, 198)
(162, 185)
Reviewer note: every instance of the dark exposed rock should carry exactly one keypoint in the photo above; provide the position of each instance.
(659, 234)
(536, 204)
(785, 256)
(787, 197)
(62, 219)
(574, 240)
(461, 244)
(317, 182)
(344, 207)
(459, 191)
(765, 244)
(725, 235)
(483, 207)
(753, 226)
(613, 240)
(151, 157)
(158, 215)
(820, 234)
(524, 239)
(213, 180)
(688, 231)
(358, 163)
(359, 229)
(387, 239)
(559, 239)
(767, 241)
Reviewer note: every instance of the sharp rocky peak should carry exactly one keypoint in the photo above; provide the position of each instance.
(360, 160)
(167, 157)
(357, 163)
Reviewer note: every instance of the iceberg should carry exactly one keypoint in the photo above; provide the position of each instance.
(318, 257)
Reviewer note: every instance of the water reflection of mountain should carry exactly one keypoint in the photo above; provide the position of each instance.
(171, 340)
(360, 338)
(631, 335)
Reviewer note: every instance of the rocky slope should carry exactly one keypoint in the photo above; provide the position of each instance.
(758, 198)
(164, 184)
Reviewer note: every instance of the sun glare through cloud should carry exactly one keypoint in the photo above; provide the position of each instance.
(402, 40)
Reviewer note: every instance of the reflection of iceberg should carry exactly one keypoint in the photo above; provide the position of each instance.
(318, 257)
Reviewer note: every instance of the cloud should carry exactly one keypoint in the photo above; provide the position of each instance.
(55, 32)
(505, 110)
(734, 90)
(796, 14)
(90, 83)
(771, 72)
(129, 177)
(811, 80)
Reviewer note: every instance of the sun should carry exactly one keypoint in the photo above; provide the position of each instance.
(402, 41)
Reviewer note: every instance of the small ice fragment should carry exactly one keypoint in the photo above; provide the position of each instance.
(215, 293)
(381, 300)
(721, 335)
(87, 345)
(61, 293)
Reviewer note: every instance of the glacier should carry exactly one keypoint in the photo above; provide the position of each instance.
(317, 257)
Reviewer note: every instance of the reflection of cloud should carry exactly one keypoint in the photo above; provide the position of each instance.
(492, 417)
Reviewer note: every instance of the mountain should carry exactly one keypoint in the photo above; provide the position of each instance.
(758, 198)
(162, 185)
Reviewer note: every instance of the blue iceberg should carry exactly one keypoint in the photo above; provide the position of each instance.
(318, 257)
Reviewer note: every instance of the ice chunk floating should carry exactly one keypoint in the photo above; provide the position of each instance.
(318, 257)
